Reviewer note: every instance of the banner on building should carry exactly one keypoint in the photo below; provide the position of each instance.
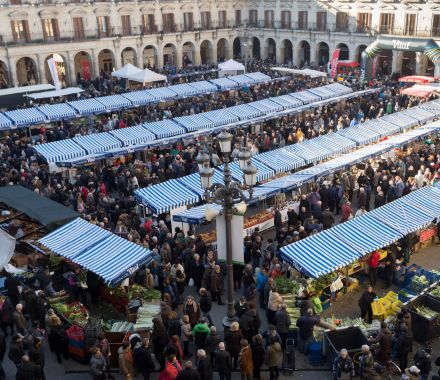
(54, 72)
(335, 59)
(86, 69)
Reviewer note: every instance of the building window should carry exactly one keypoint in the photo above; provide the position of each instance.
(410, 24)
(341, 22)
(50, 29)
(286, 20)
(253, 17)
(168, 23)
(148, 25)
(188, 21)
(363, 23)
(222, 22)
(268, 19)
(386, 23)
(20, 31)
(206, 19)
(321, 21)
(237, 17)
(302, 20)
(104, 26)
(436, 25)
(15, 2)
(78, 28)
(126, 26)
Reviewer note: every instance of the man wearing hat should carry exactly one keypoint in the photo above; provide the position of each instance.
(411, 373)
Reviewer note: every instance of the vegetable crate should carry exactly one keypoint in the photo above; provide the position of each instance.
(424, 327)
(405, 295)
(75, 337)
(350, 338)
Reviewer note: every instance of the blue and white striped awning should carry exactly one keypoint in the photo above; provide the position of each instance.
(57, 111)
(164, 128)
(60, 150)
(335, 143)
(204, 87)
(195, 215)
(114, 102)
(26, 116)
(287, 101)
(322, 92)
(133, 135)
(194, 122)
(258, 77)
(401, 120)
(408, 137)
(371, 151)
(166, 196)
(422, 115)
(338, 88)
(221, 117)
(380, 127)
(162, 93)
(280, 160)
(365, 234)
(301, 151)
(263, 172)
(260, 193)
(243, 80)
(402, 216)
(360, 135)
(433, 105)
(290, 182)
(319, 254)
(194, 183)
(87, 106)
(318, 151)
(305, 96)
(74, 237)
(98, 143)
(140, 98)
(426, 199)
(434, 126)
(224, 83)
(245, 112)
(5, 122)
(317, 171)
(107, 255)
(183, 90)
(266, 105)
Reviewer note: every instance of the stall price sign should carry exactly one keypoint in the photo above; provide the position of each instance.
(427, 234)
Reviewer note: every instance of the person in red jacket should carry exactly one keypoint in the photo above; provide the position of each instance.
(373, 263)
(346, 212)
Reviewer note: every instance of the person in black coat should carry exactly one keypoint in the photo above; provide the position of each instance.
(205, 303)
(16, 350)
(204, 367)
(223, 362)
(144, 361)
(11, 284)
(27, 370)
(6, 312)
(258, 352)
(188, 373)
(160, 339)
(2, 353)
(232, 340)
(36, 355)
(365, 302)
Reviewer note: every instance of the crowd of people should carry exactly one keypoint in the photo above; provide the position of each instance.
(186, 328)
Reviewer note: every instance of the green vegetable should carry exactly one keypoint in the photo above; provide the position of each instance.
(286, 286)
(435, 292)
(425, 311)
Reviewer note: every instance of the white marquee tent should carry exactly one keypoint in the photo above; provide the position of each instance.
(230, 67)
(126, 71)
(147, 76)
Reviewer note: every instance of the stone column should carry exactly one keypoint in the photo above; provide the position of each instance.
(179, 56)
(197, 58)
(12, 68)
(95, 63)
(160, 56)
(419, 57)
(41, 69)
(213, 57)
(397, 61)
(71, 74)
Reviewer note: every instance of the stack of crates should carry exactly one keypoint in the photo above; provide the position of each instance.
(315, 353)
(77, 343)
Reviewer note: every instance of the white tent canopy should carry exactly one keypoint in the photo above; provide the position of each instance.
(56, 93)
(230, 67)
(126, 71)
(308, 72)
(147, 76)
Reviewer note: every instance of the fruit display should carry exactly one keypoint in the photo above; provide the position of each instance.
(209, 237)
(257, 219)
(425, 311)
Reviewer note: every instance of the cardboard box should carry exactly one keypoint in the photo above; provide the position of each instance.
(19, 260)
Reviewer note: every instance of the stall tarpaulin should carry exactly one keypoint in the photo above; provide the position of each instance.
(335, 59)
(7, 242)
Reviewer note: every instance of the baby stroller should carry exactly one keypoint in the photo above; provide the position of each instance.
(289, 358)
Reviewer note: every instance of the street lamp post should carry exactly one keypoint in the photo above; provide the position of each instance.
(228, 195)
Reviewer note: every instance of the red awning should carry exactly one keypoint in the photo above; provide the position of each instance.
(417, 79)
(419, 91)
(348, 64)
